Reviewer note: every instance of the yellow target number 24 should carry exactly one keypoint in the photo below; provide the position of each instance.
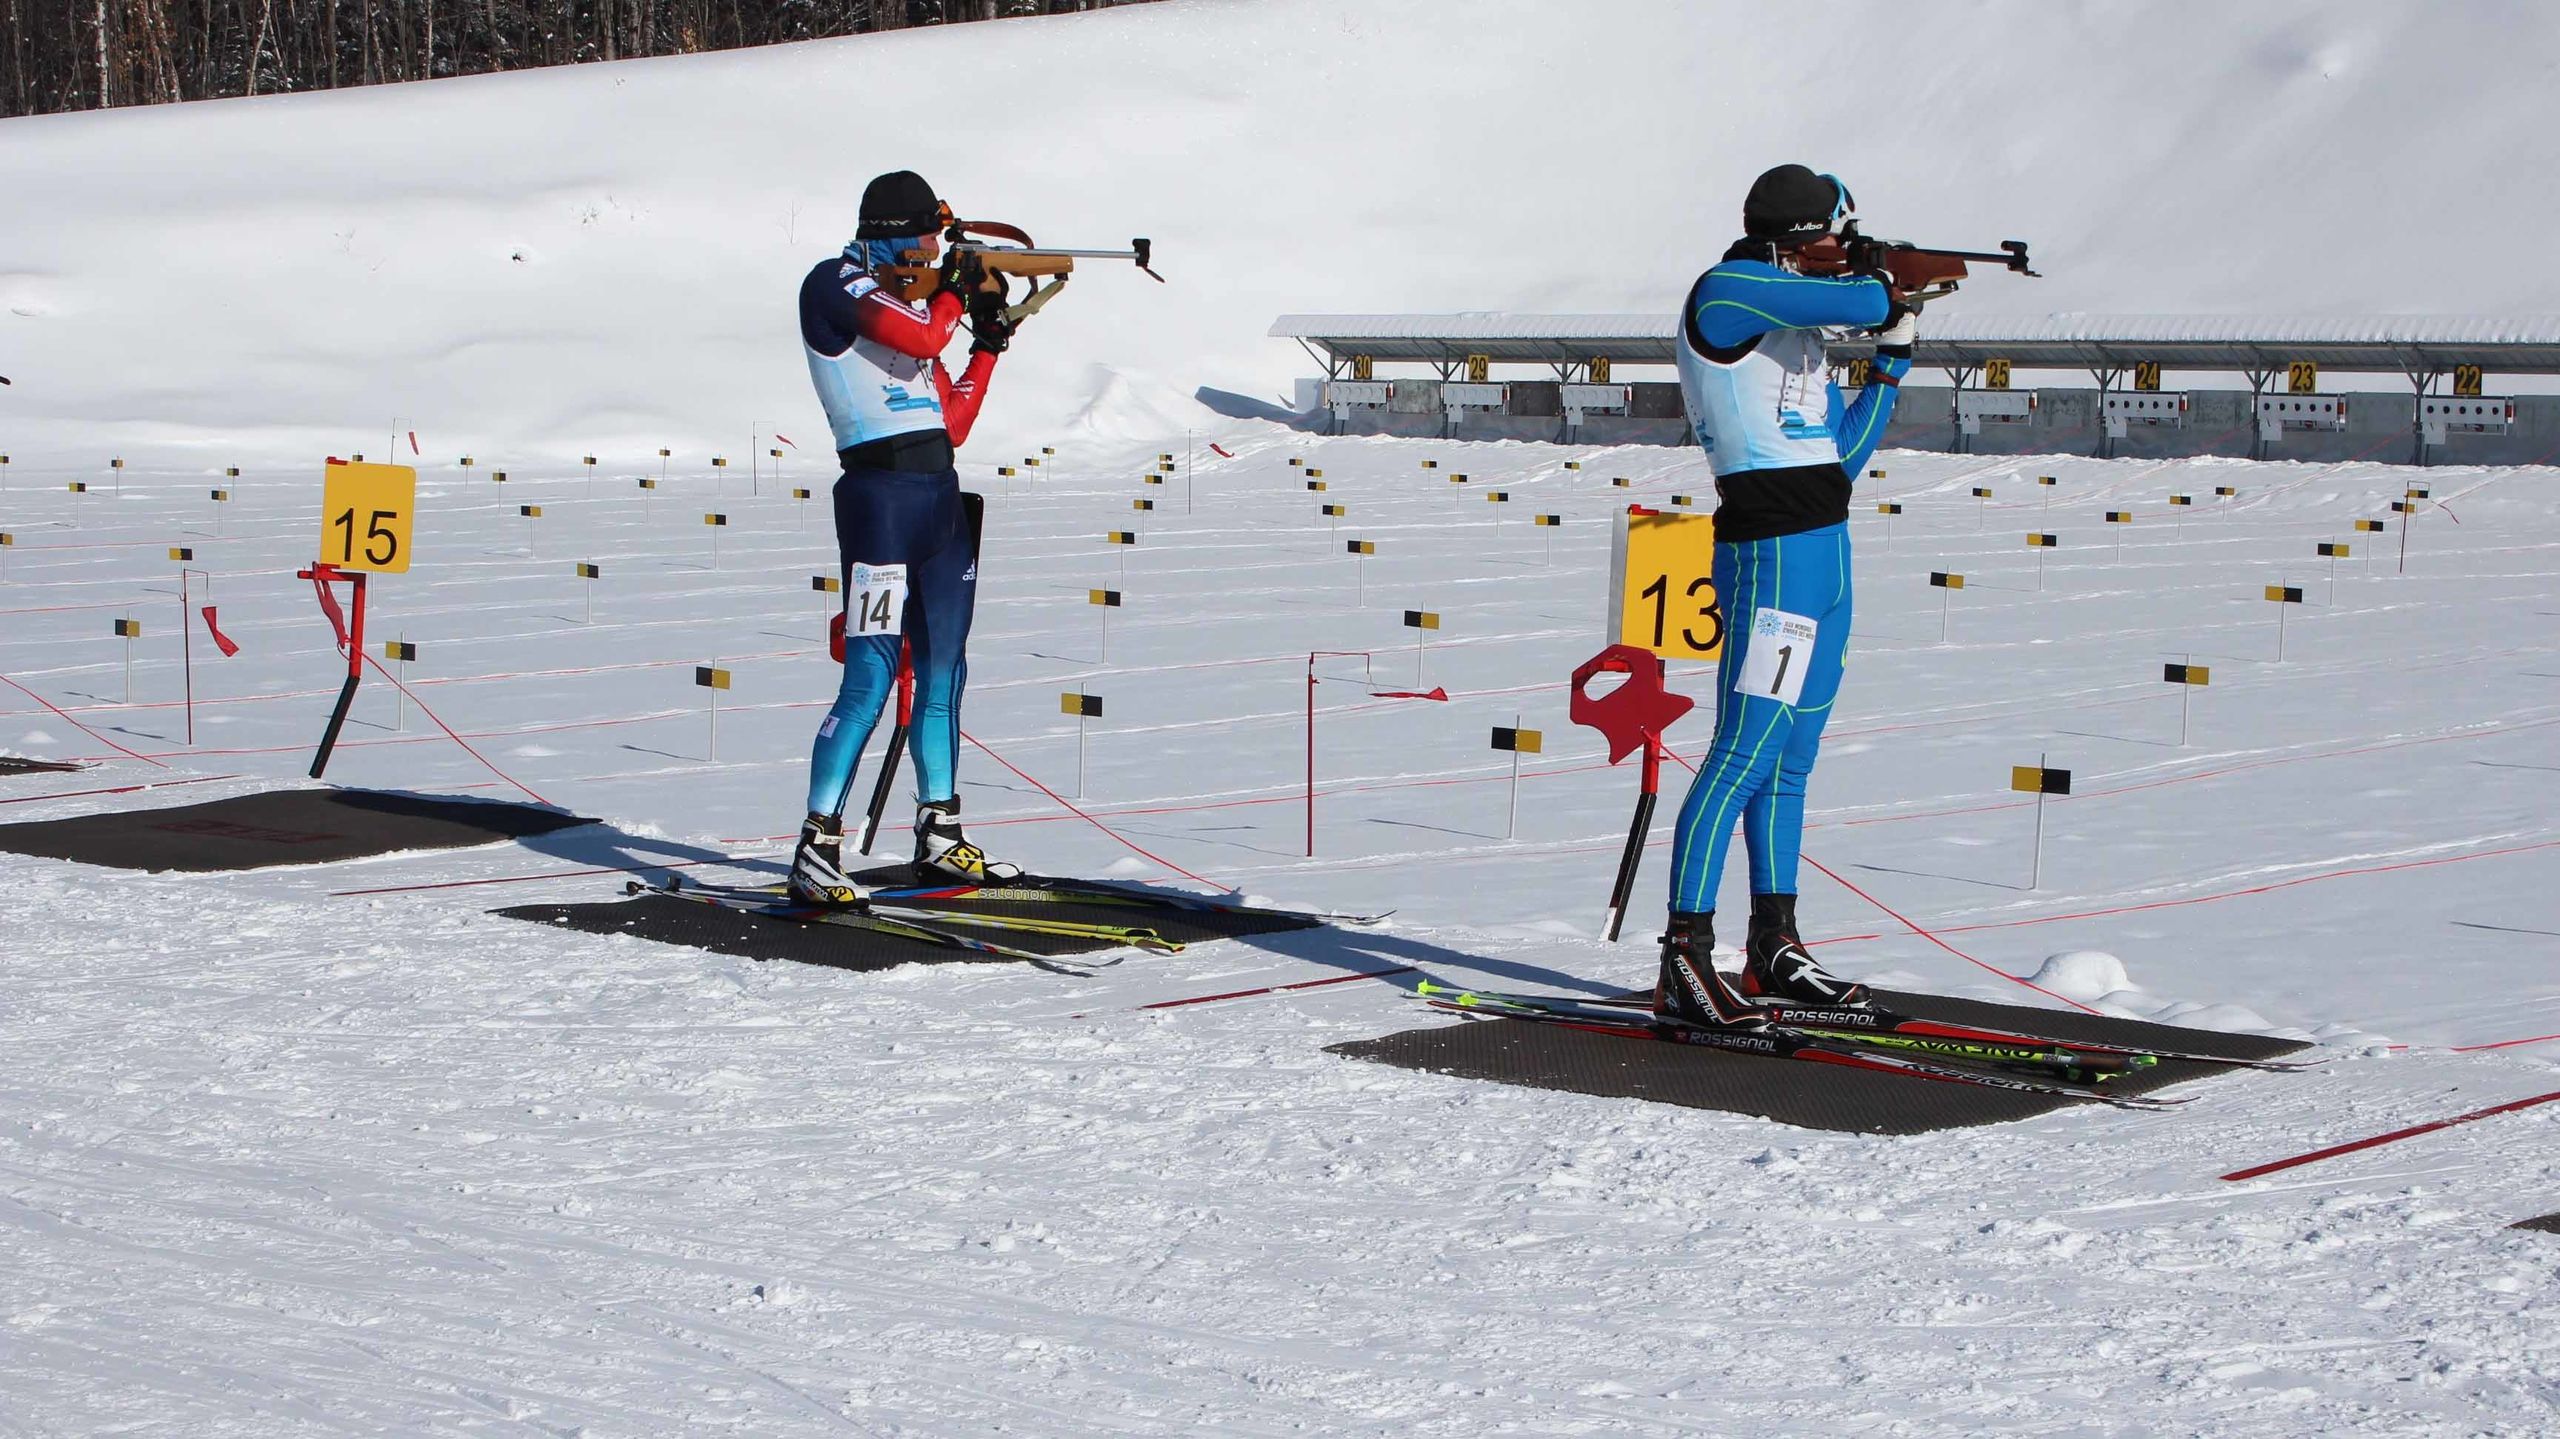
(1662, 589)
(365, 517)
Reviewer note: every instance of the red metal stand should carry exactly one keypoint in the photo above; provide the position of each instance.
(1630, 717)
(350, 627)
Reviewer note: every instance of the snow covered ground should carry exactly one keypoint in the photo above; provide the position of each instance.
(333, 1151)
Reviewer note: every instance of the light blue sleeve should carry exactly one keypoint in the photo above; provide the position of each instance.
(1861, 428)
(1741, 300)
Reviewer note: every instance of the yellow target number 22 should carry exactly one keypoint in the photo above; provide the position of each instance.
(365, 516)
(1662, 591)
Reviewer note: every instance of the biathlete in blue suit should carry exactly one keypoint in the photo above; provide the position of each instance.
(905, 534)
(1783, 447)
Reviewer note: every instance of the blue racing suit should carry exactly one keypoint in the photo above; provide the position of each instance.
(897, 414)
(1783, 447)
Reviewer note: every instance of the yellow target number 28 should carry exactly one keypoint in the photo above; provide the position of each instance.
(365, 517)
(1662, 590)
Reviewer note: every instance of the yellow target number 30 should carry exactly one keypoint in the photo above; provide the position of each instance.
(365, 516)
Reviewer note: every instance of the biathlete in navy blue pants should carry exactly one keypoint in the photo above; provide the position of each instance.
(1783, 446)
(907, 537)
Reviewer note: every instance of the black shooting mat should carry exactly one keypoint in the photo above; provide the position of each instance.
(669, 920)
(289, 826)
(1806, 1094)
(13, 764)
(2548, 1224)
(752, 936)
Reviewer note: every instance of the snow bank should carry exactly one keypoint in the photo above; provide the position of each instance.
(602, 259)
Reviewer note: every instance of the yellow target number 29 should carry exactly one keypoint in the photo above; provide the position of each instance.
(365, 517)
(1662, 591)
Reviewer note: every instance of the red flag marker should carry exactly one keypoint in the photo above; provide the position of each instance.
(221, 641)
(1219, 450)
(1436, 692)
(786, 439)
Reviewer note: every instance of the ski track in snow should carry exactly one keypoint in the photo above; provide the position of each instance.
(277, 1158)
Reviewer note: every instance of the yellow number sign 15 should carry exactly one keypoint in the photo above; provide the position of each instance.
(365, 514)
(1662, 590)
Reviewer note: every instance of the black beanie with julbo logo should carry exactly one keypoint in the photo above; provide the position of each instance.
(897, 205)
(1792, 203)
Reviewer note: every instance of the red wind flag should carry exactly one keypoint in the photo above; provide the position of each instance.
(221, 641)
(1219, 450)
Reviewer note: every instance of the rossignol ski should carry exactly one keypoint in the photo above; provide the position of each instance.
(1780, 1042)
(934, 929)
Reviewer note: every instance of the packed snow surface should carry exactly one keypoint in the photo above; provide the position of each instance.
(332, 1150)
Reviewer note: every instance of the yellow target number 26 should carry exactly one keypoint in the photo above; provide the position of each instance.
(1662, 590)
(365, 516)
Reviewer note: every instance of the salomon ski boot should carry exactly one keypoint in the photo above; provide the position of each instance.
(1777, 969)
(943, 852)
(817, 866)
(1690, 990)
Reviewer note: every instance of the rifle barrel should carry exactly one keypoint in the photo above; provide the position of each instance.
(1074, 254)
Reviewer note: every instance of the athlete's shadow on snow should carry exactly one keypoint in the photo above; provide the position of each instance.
(601, 846)
(1405, 963)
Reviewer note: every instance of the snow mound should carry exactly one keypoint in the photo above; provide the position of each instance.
(2087, 975)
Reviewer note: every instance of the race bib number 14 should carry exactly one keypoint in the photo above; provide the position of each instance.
(878, 604)
(1773, 660)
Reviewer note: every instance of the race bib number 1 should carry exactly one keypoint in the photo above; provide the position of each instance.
(1773, 661)
(878, 604)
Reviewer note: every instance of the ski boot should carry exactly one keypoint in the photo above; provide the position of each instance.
(817, 866)
(1777, 969)
(1690, 990)
(943, 852)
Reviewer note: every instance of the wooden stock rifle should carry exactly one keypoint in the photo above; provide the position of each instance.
(1917, 273)
(990, 251)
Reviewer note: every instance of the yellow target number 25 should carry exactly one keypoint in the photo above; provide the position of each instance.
(1662, 590)
(365, 517)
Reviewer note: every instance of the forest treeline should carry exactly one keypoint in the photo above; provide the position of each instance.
(90, 54)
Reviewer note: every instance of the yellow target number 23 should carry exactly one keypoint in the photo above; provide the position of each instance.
(365, 516)
(1662, 591)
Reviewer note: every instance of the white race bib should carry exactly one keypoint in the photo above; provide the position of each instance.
(878, 602)
(1775, 656)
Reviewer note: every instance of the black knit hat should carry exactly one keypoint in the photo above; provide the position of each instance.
(1792, 203)
(896, 205)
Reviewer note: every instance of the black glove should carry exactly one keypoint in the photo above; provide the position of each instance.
(987, 322)
(960, 272)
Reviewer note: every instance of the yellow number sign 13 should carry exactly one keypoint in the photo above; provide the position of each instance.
(1662, 592)
(365, 514)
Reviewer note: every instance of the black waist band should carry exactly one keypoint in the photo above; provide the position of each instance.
(925, 452)
(1764, 504)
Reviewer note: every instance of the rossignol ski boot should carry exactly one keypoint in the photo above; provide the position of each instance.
(1777, 968)
(943, 852)
(817, 866)
(1690, 989)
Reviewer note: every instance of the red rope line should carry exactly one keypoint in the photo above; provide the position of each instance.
(1907, 923)
(2413, 1131)
(118, 789)
(75, 724)
(1942, 944)
(448, 730)
(1089, 819)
